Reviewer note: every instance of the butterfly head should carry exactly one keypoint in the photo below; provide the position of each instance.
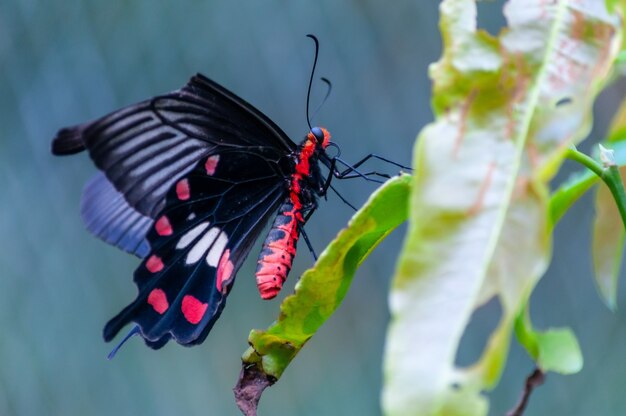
(320, 136)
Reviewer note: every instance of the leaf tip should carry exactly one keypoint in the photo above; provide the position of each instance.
(609, 297)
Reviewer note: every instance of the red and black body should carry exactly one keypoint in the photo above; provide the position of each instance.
(188, 181)
(305, 185)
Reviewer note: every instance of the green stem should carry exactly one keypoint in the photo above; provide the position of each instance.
(590, 163)
(610, 175)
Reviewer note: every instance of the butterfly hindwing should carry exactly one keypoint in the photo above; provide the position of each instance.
(107, 215)
(211, 219)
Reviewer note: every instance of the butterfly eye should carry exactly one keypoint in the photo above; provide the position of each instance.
(318, 133)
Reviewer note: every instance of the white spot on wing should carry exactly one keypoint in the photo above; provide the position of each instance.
(191, 235)
(191, 216)
(202, 246)
(213, 258)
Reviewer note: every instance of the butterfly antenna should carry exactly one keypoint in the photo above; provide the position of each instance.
(330, 88)
(132, 332)
(308, 94)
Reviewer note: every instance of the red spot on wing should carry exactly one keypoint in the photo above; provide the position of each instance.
(193, 309)
(154, 264)
(163, 226)
(158, 300)
(211, 164)
(182, 189)
(224, 270)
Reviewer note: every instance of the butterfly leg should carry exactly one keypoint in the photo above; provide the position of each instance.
(352, 172)
(327, 183)
(307, 241)
(310, 210)
(375, 156)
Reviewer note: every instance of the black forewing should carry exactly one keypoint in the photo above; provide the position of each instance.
(237, 200)
(145, 148)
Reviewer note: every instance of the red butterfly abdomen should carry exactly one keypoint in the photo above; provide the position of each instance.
(278, 251)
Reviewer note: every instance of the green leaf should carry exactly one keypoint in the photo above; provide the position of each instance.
(607, 244)
(554, 350)
(558, 351)
(321, 289)
(569, 192)
(479, 225)
(612, 4)
(617, 130)
(608, 232)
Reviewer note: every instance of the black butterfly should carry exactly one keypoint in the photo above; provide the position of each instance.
(189, 179)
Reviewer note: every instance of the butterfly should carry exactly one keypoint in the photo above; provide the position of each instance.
(188, 180)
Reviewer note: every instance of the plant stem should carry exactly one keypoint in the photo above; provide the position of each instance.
(588, 162)
(535, 379)
(609, 174)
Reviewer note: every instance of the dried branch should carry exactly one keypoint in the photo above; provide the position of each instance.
(534, 380)
(252, 381)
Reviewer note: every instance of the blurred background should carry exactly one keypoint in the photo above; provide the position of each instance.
(63, 63)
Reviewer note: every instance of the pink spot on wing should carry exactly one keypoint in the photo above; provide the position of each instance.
(154, 264)
(211, 164)
(158, 300)
(224, 271)
(163, 226)
(182, 189)
(193, 309)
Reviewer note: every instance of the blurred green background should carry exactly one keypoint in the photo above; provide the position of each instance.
(66, 62)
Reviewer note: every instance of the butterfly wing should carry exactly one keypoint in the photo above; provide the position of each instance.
(145, 148)
(108, 216)
(211, 219)
(188, 181)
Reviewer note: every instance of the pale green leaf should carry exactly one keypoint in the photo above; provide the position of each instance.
(559, 351)
(479, 224)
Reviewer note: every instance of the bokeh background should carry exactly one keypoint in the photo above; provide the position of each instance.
(66, 62)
